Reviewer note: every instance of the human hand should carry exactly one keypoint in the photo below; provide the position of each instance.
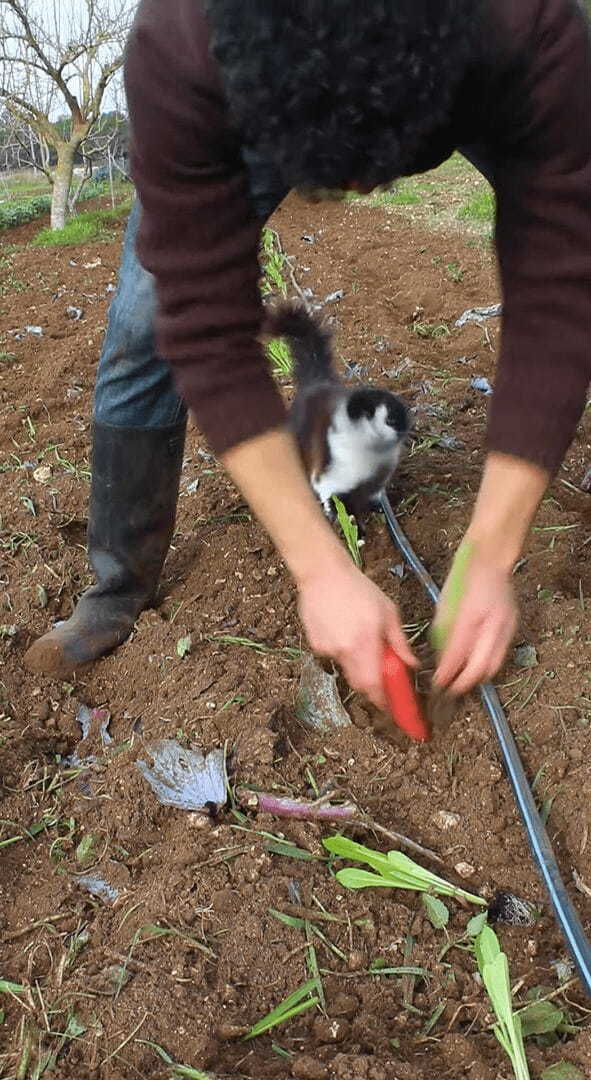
(482, 630)
(347, 618)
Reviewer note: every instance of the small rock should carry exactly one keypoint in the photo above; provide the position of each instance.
(336, 295)
(586, 482)
(445, 820)
(43, 711)
(465, 869)
(356, 961)
(307, 1068)
(231, 1032)
(36, 331)
(308, 239)
(74, 313)
(346, 1005)
(330, 1030)
(526, 656)
(42, 475)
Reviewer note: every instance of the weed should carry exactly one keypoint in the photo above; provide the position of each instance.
(273, 264)
(300, 1001)
(430, 330)
(7, 358)
(257, 646)
(349, 530)
(177, 1070)
(480, 208)
(280, 356)
(455, 272)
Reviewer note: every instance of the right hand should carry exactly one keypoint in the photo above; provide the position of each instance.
(347, 618)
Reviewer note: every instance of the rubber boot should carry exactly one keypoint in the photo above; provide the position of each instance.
(133, 498)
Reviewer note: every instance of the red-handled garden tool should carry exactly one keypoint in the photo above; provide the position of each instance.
(402, 699)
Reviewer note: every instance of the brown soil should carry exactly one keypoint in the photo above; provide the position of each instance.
(214, 882)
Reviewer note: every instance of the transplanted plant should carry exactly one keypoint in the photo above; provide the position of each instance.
(392, 871)
(494, 969)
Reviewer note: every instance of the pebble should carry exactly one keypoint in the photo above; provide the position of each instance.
(231, 1032)
(356, 961)
(307, 1068)
(445, 820)
(465, 870)
(327, 1030)
(346, 1005)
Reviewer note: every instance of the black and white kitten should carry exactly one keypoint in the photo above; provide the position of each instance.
(350, 438)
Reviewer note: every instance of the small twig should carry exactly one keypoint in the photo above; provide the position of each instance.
(346, 813)
(581, 885)
(15, 934)
(403, 841)
(125, 1041)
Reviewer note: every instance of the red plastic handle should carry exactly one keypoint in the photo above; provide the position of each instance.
(402, 700)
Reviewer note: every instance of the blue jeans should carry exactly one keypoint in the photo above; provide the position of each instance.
(134, 386)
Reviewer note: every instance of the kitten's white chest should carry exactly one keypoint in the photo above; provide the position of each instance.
(359, 451)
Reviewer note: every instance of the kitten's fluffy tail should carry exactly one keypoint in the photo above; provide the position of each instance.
(309, 342)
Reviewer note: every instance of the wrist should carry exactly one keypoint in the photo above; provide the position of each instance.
(318, 557)
(509, 496)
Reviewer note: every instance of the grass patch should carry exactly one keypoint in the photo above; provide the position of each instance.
(92, 225)
(480, 208)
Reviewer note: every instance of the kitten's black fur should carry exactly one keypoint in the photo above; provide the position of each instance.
(350, 438)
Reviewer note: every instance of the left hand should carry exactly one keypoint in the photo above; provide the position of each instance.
(483, 629)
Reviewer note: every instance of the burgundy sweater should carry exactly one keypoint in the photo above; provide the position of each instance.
(531, 113)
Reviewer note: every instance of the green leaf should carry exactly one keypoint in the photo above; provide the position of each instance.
(486, 948)
(540, 1018)
(494, 969)
(286, 1010)
(437, 913)
(562, 1071)
(183, 646)
(352, 878)
(84, 853)
(10, 987)
(348, 849)
(477, 924)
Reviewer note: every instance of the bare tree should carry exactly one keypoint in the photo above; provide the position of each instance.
(56, 56)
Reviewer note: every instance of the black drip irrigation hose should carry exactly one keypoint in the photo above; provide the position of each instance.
(566, 916)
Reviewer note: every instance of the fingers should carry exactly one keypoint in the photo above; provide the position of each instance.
(396, 637)
(363, 670)
(456, 652)
(477, 654)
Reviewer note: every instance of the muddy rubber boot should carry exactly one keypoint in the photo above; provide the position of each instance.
(134, 491)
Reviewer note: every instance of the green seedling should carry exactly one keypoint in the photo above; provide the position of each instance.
(349, 529)
(436, 911)
(393, 871)
(300, 1001)
(281, 359)
(494, 969)
(176, 1070)
(456, 584)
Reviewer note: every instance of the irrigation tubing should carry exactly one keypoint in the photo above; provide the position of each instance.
(566, 916)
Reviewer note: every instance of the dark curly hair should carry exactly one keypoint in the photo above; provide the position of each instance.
(336, 91)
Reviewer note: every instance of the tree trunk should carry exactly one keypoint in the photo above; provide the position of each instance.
(62, 183)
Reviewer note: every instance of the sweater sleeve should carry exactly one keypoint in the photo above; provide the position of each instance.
(199, 235)
(543, 188)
